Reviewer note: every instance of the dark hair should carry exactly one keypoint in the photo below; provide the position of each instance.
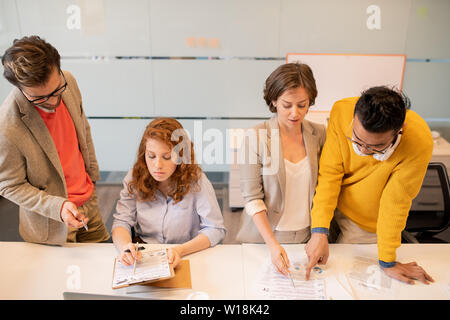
(381, 109)
(29, 62)
(289, 76)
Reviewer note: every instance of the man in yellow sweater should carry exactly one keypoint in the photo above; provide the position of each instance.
(372, 166)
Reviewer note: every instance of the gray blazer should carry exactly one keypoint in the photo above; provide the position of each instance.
(31, 174)
(260, 182)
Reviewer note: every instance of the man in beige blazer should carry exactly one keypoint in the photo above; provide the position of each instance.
(34, 170)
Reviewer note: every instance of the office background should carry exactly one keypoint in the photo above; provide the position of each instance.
(207, 60)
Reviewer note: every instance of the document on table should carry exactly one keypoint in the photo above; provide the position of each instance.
(366, 276)
(446, 286)
(154, 265)
(273, 285)
(448, 290)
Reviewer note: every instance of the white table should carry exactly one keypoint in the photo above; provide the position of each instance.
(32, 271)
(434, 258)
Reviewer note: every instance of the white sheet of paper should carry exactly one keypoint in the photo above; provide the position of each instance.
(274, 285)
(367, 277)
(446, 286)
(154, 264)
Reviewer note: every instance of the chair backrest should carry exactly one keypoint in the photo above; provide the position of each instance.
(430, 210)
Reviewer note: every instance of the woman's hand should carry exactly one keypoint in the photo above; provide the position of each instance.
(277, 254)
(174, 255)
(128, 254)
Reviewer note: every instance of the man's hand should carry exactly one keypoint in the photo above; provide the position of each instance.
(71, 217)
(317, 251)
(408, 273)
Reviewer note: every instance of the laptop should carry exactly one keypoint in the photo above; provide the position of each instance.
(93, 296)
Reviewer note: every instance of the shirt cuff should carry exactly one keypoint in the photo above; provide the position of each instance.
(60, 211)
(386, 264)
(320, 230)
(215, 235)
(255, 206)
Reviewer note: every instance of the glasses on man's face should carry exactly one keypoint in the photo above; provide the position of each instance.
(371, 149)
(56, 93)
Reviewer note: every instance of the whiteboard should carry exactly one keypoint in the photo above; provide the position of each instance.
(341, 76)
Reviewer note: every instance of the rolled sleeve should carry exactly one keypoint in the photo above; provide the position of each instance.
(207, 207)
(125, 215)
(255, 206)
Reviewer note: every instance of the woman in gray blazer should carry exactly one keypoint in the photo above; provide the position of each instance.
(279, 164)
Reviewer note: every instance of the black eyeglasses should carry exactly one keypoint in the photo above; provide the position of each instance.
(370, 149)
(56, 93)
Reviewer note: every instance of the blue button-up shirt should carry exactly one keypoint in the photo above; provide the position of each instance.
(163, 221)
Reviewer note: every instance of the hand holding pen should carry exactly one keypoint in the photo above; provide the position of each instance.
(277, 254)
(129, 254)
(72, 217)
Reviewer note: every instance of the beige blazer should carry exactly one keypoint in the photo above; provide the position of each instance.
(30, 171)
(260, 182)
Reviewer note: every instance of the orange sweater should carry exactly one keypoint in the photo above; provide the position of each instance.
(62, 130)
(376, 195)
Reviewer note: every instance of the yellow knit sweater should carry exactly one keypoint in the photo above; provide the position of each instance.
(376, 195)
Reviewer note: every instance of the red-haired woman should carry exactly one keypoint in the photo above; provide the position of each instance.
(166, 197)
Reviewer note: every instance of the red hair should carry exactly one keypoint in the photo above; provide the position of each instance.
(185, 176)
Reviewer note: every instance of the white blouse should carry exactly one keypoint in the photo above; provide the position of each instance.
(296, 214)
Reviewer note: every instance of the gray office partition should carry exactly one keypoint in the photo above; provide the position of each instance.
(205, 61)
(86, 28)
(117, 140)
(427, 86)
(428, 30)
(114, 87)
(211, 88)
(232, 28)
(344, 26)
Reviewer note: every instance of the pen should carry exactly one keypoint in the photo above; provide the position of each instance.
(82, 221)
(285, 265)
(84, 225)
(139, 249)
(135, 260)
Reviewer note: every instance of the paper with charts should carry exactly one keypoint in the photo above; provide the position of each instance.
(273, 285)
(368, 279)
(154, 265)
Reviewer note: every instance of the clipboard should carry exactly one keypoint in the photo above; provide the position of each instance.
(153, 266)
(182, 279)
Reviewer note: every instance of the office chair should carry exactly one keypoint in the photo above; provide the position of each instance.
(430, 210)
